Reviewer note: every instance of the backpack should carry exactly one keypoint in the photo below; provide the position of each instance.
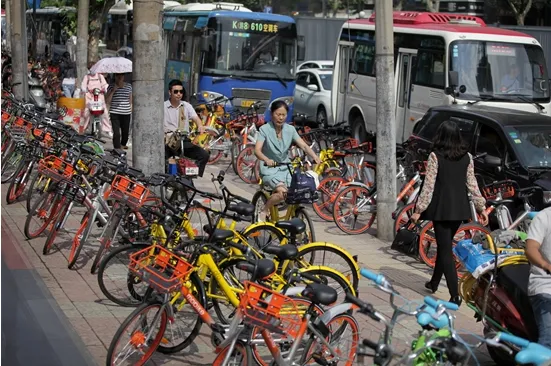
(303, 188)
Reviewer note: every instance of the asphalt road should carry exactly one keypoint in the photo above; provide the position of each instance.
(34, 329)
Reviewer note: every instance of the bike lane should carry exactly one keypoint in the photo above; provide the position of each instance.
(34, 329)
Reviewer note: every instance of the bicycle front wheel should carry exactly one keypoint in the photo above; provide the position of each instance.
(240, 355)
(343, 341)
(143, 339)
(355, 210)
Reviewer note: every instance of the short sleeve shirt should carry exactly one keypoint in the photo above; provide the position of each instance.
(172, 115)
(540, 231)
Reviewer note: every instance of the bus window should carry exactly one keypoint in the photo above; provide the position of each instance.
(179, 46)
(430, 69)
(508, 70)
(364, 59)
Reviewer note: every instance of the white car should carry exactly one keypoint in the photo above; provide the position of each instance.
(316, 65)
(313, 94)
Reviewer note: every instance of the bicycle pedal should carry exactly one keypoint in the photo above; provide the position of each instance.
(320, 360)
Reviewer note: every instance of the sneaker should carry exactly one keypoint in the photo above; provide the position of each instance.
(125, 147)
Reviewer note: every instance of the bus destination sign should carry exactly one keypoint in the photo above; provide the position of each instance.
(252, 26)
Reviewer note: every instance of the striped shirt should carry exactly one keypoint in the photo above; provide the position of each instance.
(120, 102)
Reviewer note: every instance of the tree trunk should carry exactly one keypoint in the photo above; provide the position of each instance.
(93, 47)
(520, 13)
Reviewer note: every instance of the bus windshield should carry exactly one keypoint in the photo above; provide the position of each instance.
(251, 48)
(510, 72)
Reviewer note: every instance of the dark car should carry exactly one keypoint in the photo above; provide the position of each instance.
(517, 144)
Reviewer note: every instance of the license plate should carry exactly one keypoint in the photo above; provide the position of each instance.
(192, 170)
(96, 106)
(247, 103)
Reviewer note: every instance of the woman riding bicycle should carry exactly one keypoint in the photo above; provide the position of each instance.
(272, 146)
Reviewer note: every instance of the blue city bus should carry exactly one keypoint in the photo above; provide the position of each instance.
(225, 49)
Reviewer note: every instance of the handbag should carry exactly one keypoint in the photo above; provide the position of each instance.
(303, 188)
(406, 240)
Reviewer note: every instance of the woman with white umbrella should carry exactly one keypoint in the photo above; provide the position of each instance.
(119, 100)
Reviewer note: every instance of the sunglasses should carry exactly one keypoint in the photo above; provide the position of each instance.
(179, 91)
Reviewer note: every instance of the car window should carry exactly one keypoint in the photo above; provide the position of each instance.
(327, 66)
(313, 80)
(306, 66)
(466, 126)
(434, 121)
(490, 142)
(326, 81)
(302, 79)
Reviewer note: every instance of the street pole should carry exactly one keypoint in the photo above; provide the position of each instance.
(386, 130)
(8, 5)
(148, 68)
(35, 33)
(324, 8)
(19, 50)
(82, 40)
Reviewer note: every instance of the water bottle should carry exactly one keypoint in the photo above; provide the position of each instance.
(172, 167)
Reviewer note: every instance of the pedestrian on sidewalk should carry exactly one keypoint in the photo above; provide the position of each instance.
(89, 83)
(119, 100)
(444, 200)
(538, 252)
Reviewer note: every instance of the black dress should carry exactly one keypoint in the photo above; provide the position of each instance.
(450, 201)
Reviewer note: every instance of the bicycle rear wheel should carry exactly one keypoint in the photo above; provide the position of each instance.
(343, 339)
(355, 210)
(328, 189)
(138, 325)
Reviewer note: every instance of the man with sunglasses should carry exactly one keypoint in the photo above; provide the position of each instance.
(178, 113)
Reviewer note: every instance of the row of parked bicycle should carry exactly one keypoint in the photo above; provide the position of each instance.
(277, 294)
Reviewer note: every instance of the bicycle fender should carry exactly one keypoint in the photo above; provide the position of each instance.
(336, 310)
(331, 245)
(334, 271)
(356, 184)
(332, 169)
(294, 291)
(257, 224)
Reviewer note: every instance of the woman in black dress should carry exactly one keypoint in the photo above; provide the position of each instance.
(444, 200)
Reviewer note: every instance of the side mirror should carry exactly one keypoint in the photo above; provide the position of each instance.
(313, 87)
(454, 78)
(301, 50)
(206, 41)
(493, 161)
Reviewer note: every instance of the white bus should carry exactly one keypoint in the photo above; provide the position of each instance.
(497, 67)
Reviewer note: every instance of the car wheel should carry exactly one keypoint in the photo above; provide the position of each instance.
(321, 116)
(359, 131)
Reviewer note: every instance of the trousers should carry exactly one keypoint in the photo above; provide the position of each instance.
(444, 231)
(121, 127)
(193, 152)
(541, 304)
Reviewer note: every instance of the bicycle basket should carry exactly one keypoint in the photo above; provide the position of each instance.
(270, 310)
(5, 117)
(128, 192)
(160, 268)
(55, 168)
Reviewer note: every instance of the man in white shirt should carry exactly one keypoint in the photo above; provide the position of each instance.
(538, 251)
(175, 109)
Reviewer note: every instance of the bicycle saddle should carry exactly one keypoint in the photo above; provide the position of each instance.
(499, 202)
(259, 269)
(294, 226)
(320, 294)
(242, 209)
(282, 252)
(119, 153)
(221, 235)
